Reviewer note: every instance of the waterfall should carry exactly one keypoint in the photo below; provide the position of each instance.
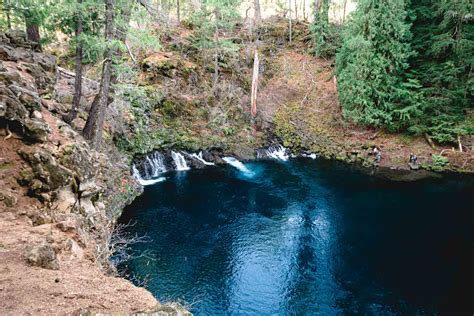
(179, 161)
(274, 152)
(199, 157)
(237, 164)
(154, 165)
(151, 181)
(136, 174)
(312, 155)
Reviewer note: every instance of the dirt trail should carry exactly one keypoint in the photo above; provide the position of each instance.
(79, 284)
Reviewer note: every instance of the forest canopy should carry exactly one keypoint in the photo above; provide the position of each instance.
(404, 66)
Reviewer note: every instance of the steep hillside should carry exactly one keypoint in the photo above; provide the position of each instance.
(59, 199)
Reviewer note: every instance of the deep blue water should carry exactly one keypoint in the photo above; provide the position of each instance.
(306, 238)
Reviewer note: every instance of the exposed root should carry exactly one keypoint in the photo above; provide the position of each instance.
(9, 133)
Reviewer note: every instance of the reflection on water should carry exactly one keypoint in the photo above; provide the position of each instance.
(305, 237)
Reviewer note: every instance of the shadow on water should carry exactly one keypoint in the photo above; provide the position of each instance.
(306, 237)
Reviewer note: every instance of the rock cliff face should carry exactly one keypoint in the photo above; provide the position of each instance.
(59, 199)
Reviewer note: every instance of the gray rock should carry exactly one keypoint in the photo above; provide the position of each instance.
(45, 168)
(28, 98)
(8, 199)
(42, 255)
(10, 108)
(77, 158)
(88, 188)
(37, 129)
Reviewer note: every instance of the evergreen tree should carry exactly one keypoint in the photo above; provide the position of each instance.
(444, 42)
(371, 61)
(326, 38)
(214, 18)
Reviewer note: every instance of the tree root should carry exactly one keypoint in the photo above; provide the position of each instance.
(9, 134)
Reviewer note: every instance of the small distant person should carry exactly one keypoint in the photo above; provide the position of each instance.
(377, 154)
(413, 162)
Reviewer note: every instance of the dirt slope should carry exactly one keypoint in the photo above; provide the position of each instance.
(300, 102)
(58, 199)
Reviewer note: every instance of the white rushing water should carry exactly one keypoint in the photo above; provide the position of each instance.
(237, 164)
(155, 162)
(199, 157)
(275, 152)
(136, 174)
(179, 161)
(151, 181)
(312, 156)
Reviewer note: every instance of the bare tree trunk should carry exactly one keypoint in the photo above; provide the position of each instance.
(344, 11)
(459, 143)
(178, 11)
(32, 30)
(317, 5)
(296, 10)
(78, 78)
(304, 10)
(216, 56)
(253, 96)
(258, 14)
(289, 19)
(95, 121)
(6, 9)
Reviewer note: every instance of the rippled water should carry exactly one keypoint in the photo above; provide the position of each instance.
(305, 237)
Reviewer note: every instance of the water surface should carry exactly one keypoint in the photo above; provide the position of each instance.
(305, 237)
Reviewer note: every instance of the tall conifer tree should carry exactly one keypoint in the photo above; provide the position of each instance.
(371, 61)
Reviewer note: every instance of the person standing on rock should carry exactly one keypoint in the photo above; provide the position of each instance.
(377, 155)
(413, 161)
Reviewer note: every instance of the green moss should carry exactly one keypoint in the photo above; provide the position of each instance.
(5, 165)
(286, 129)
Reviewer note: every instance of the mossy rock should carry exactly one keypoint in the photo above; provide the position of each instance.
(160, 64)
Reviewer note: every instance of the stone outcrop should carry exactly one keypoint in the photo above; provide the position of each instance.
(43, 256)
(26, 76)
(59, 198)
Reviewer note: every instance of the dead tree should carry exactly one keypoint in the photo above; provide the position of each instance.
(95, 121)
(344, 11)
(289, 19)
(253, 96)
(178, 11)
(258, 14)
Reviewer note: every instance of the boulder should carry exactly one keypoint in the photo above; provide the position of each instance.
(42, 255)
(88, 189)
(74, 248)
(76, 157)
(28, 98)
(66, 201)
(69, 224)
(10, 107)
(47, 170)
(8, 199)
(37, 129)
(164, 64)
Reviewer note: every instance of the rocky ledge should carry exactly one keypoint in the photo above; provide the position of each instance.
(59, 200)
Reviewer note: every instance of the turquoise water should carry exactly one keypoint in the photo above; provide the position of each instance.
(305, 237)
